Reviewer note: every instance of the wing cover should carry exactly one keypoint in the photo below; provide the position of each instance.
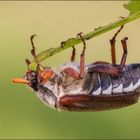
(96, 103)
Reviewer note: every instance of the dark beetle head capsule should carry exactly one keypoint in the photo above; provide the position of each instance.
(34, 78)
(30, 79)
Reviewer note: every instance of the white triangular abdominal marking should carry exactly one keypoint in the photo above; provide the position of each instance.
(97, 92)
(118, 89)
(108, 90)
(129, 88)
(137, 84)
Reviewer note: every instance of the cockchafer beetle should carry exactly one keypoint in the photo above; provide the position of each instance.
(79, 87)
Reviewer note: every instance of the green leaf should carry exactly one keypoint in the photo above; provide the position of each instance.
(133, 7)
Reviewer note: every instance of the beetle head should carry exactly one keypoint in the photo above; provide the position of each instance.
(34, 78)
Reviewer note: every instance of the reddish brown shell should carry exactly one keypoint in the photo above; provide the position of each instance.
(96, 103)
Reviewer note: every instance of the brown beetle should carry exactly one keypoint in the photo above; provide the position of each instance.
(79, 87)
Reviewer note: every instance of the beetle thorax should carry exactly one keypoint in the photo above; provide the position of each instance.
(57, 86)
(48, 91)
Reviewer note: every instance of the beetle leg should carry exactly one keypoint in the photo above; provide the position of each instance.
(123, 60)
(27, 61)
(112, 42)
(33, 47)
(33, 52)
(72, 72)
(73, 54)
(38, 72)
(82, 57)
(104, 68)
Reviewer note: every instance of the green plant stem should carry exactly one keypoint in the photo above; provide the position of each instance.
(74, 41)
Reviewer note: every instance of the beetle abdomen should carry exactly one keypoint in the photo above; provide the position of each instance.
(105, 84)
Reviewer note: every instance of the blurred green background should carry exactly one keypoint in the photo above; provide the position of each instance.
(22, 114)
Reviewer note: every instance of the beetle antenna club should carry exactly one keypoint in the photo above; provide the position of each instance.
(112, 42)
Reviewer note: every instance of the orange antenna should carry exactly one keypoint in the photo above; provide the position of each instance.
(20, 80)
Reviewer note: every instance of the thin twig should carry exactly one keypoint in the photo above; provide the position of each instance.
(74, 41)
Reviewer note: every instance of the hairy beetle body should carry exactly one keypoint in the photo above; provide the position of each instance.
(79, 87)
(96, 91)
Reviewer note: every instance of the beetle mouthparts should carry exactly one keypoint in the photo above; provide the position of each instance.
(20, 80)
